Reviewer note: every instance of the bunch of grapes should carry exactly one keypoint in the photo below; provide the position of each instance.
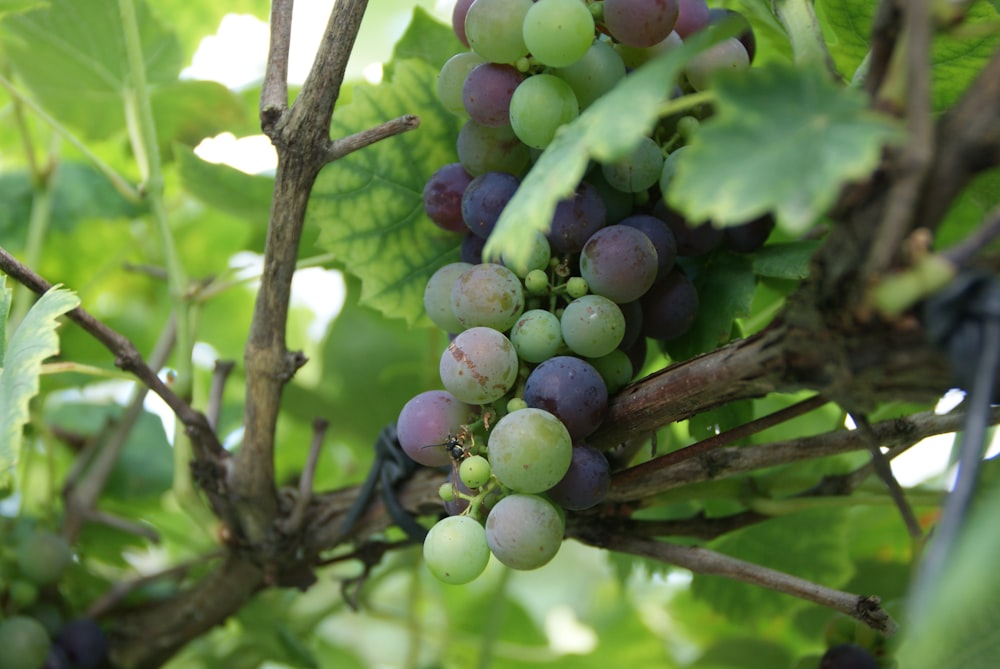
(540, 342)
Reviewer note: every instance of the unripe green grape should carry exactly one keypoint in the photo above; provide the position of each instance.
(437, 296)
(494, 29)
(558, 32)
(577, 287)
(23, 593)
(687, 126)
(452, 77)
(536, 282)
(530, 450)
(446, 492)
(592, 326)
(24, 643)
(638, 170)
(594, 74)
(488, 295)
(455, 550)
(43, 556)
(474, 471)
(541, 105)
(615, 368)
(479, 366)
(516, 404)
(536, 336)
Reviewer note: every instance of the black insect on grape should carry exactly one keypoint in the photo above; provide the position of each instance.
(458, 446)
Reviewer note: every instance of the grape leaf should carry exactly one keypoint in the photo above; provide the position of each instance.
(608, 129)
(955, 59)
(14, 6)
(245, 196)
(71, 55)
(189, 111)
(426, 39)
(368, 206)
(784, 139)
(789, 260)
(33, 341)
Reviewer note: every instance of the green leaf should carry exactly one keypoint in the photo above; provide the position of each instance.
(608, 129)
(784, 139)
(33, 341)
(725, 283)
(189, 111)
(193, 21)
(789, 260)
(809, 544)
(72, 57)
(368, 206)
(427, 39)
(15, 6)
(746, 653)
(726, 417)
(243, 195)
(955, 59)
(6, 295)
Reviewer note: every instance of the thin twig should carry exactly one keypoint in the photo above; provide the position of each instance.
(305, 496)
(220, 374)
(359, 140)
(963, 252)
(122, 524)
(885, 34)
(274, 92)
(881, 465)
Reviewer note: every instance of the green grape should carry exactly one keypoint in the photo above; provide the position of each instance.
(452, 77)
(446, 492)
(487, 295)
(687, 126)
(577, 287)
(529, 450)
(474, 471)
(484, 149)
(24, 643)
(23, 594)
(43, 556)
(537, 335)
(592, 326)
(558, 32)
(516, 404)
(524, 531)
(594, 74)
(494, 29)
(437, 296)
(536, 258)
(455, 550)
(536, 282)
(479, 366)
(540, 106)
(637, 171)
(615, 368)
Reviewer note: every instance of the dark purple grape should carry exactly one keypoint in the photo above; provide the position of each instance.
(458, 20)
(577, 218)
(663, 240)
(746, 36)
(484, 200)
(585, 483)
(640, 23)
(57, 659)
(619, 262)
(487, 91)
(472, 248)
(670, 307)
(750, 236)
(637, 355)
(691, 242)
(84, 642)
(618, 204)
(484, 149)
(692, 16)
(848, 656)
(632, 311)
(443, 197)
(570, 389)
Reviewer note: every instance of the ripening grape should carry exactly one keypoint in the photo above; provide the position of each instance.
(729, 54)
(540, 106)
(488, 295)
(619, 262)
(558, 32)
(570, 389)
(524, 531)
(458, 19)
(455, 550)
(746, 36)
(640, 23)
(451, 79)
(637, 171)
(24, 641)
(586, 481)
(494, 29)
(692, 16)
(443, 197)
(594, 74)
(592, 326)
(479, 366)
(537, 335)
(484, 200)
(437, 296)
(670, 307)
(577, 218)
(429, 420)
(633, 57)
(484, 149)
(529, 450)
(487, 91)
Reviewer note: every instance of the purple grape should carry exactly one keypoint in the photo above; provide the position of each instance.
(585, 483)
(484, 200)
(640, 23)
(472, 248)
(663, 240)
(443, 197)
(637, 355)
(570, 389)
(458, 20)
(428, 420)
(692, 16)
(848, 656)
(691, 242)
(484, 149)
(577, 218)
(487, 91)
(56, 659)
(84, 642)
(749, 237)
(619, 262)
(670, 307)
(632, 311)
(746, 36)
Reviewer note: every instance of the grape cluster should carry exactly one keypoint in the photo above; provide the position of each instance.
(33, 630)
(540, 343)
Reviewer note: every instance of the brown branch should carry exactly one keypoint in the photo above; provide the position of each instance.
(220, 374)
(274, 91)
(885, 34)
(880, 463)
(341, 147)
(293, 521)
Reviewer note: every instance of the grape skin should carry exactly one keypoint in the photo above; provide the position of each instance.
(661, 236)
(540, 106)
(484, 200)
(24, 642)
(594, 74)
(479, 366)
(84, 642)
(692, 16)
(443, 197)
(427, 421)
(670, 307)
(494, 29)
(529, 450)
(619, 262)
(586, 481)
(637, 171)
(456, 550)
(729, 54)
(640, 23)
(558, 32)
(524, 531)
(537, 335)
(592, 326)
(437, 296)
(847, 656)
(458, 20)
(577, 218)
(487, 91)
(451, 79)
(572, 390)
(488, 295)
(484, 149)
